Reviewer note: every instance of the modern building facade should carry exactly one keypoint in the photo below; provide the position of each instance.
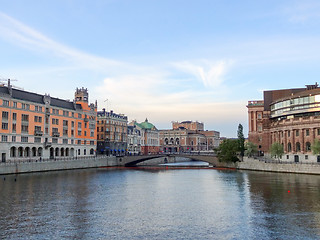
(35, 126)
(112, 133)
(188, 136)
(149, 137)
(290, 117)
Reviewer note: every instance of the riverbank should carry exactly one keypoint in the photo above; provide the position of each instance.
(57, 164)
(257, 165)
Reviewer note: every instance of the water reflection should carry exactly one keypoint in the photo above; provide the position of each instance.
(160, 204)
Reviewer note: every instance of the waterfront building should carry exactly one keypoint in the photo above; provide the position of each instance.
(35, 126)
(112, 133)
(290, 117)
(149, 137)
(188, 136)
(134, 140)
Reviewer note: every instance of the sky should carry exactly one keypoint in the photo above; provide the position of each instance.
(168, 60)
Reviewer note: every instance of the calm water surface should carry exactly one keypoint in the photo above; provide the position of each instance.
(159, 204)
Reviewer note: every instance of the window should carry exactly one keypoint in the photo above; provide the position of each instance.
(297, 133)
(37, 128)
(14, 116)
(65, 123)
(72, 114)
(15, 104)
(79, 142)
(27, 106)
(91, 142)
(37, 140)
(91, 134)
(288, 133)
(298, 149)
(65, 113)
(5, 103)
(14, 127)
(55, 121)
(72, 124)
(84, 151)
(54, 140)
(79, 124)
(25, 118)
(318, 130)
(23, 106)
(85, 133)
(5, 115)
(54, 129)
(308, 146)
(4, 138)
(65, 141)
(24, 139)
(79, 133)
(13, 139)
(5, 126)
(38, 119)
(72, 132)
(307, 132)
(306, 157)
(65, 132)
(72, 141)
(79, 115)
(24, 128)
(259, 116)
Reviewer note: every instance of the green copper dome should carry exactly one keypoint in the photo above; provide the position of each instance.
(147, 125)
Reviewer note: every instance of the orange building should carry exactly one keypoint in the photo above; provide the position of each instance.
(35, 126)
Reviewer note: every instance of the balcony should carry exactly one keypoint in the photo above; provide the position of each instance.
(38, 132)
(55, 134)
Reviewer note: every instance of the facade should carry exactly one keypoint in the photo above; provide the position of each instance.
(290, 117)
(112, 133)
(35, 126)
(188, 136)
(134, 140)
(149, 137)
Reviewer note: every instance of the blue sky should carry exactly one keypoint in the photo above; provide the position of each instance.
(162, 60)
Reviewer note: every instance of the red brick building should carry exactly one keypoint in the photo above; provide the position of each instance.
(290, 117)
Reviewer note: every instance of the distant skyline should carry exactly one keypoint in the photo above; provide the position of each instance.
(162, 60)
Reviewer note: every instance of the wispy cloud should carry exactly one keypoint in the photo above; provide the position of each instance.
(210, 74)
(14, 31)
(303, 11)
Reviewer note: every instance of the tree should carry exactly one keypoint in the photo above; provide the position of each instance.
(251, 149)
(315, 147)
(241, 140)
(276, 150)
(227, 151)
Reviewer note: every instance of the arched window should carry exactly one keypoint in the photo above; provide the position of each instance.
(308, 146)
(298, 148)
(289, 147)
(166, 141)
(177, 141)
(91, 151)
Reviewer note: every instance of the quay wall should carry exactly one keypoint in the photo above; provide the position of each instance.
(256, 165)
(53, 165)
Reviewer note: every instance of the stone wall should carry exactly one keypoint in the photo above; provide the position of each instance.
(254, 164)
(27, 167)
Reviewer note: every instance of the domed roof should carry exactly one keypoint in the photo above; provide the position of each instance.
(147, 125)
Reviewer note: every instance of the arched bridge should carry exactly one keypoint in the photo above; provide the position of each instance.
(129, 161)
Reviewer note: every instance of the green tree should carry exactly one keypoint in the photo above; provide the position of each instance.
(227, 151)
(276, 150)
(241, 140)
(251, 149)
(315, 147)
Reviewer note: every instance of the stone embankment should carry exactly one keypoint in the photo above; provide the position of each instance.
(257, 165)
(29, 166)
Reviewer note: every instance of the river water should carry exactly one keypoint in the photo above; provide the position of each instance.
(159, 204)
